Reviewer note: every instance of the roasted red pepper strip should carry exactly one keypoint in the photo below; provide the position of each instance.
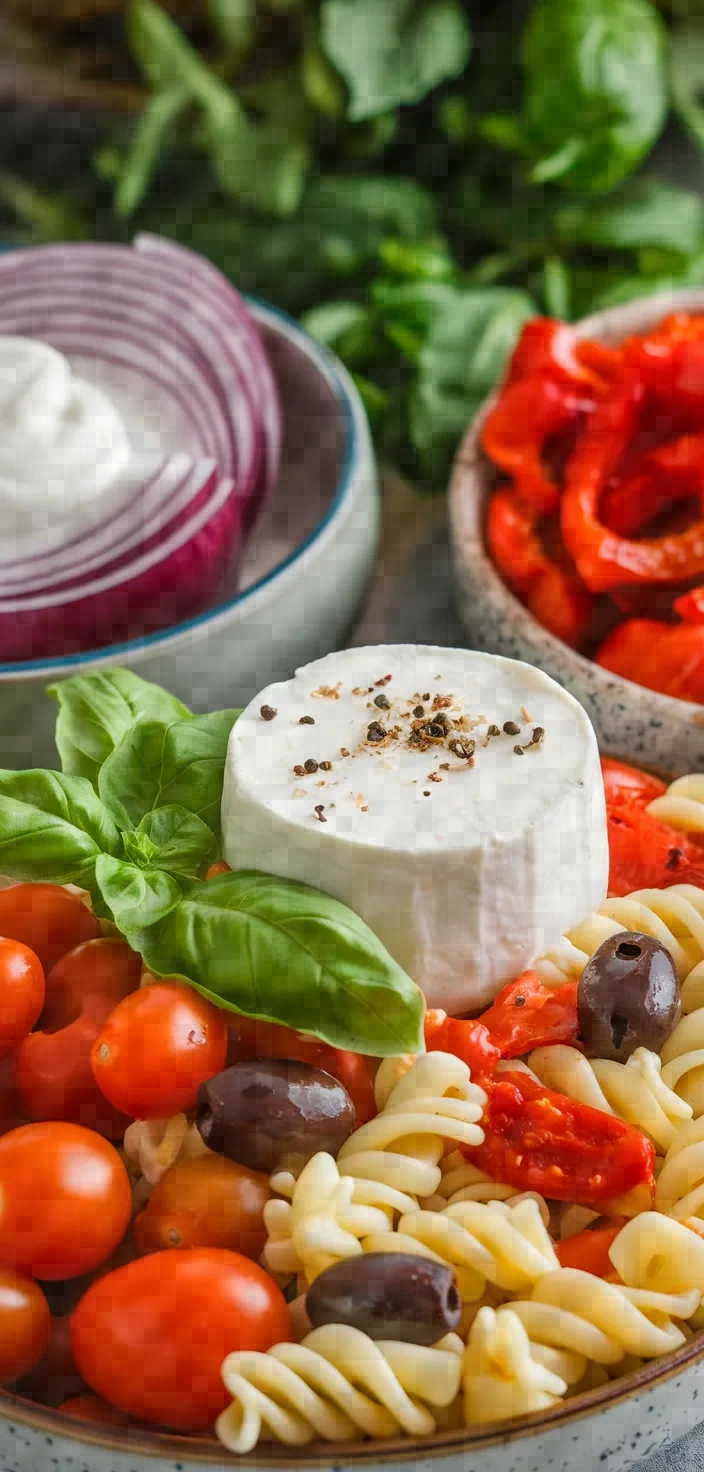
(538, 1140)
(647, 854)
(690, 607)
(628, 786)
(548, 348)
(552, 593)
(589, 1250)
(604, 559)
(664, 657)
(527, 415)
(528, 1015)
(252, 1038)
(469, 1041)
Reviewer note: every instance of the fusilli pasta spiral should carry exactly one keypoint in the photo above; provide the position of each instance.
(634, 1091)
(680, 1186)
(382, 1170)
(682, 805)
(507, 1246)
(462, 1181)
(673, 916)
(658, 1253)
(337, 1385)
(502, 1377)
(575, 1311)
(683, 1060)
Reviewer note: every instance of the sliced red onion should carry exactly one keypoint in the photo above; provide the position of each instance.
(164, 320)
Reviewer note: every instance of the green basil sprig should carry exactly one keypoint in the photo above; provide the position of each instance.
(135, 818)
(286, 952)
(95, 711)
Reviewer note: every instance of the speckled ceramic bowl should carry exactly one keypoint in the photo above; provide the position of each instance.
(612, 1429)
(630, 722)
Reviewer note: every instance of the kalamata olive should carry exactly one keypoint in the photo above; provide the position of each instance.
(628, 996)
(388, 1295)
(271, 1113)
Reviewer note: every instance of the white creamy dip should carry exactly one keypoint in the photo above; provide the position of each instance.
(64, 448)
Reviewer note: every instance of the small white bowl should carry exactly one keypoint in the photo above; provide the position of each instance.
(630, 721)
(300, 580)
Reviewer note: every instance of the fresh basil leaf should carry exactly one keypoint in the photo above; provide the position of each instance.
(179, 841)
(596, 88)
(96, 710)
(135, 897)
(394, 52)
(646, 212)
(288, 953)
(128, 781)
(139, 849)
(347, 328)
(193, 765)
(52, 827)
(688, 78)
(469, 338)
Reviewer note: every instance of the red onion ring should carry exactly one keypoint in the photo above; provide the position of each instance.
(161, 316)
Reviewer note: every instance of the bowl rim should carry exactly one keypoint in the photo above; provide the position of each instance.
(147, 1443)
(355, 433)
(633, 316)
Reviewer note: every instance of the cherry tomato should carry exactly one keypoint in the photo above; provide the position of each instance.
(55, 1376)
(218, 868)
(589, 1250)
(21, 993)
(151, 1337)
(628, 786)
(12, 1111)
(207, 1202)
(251, 1038)
(157, 1048)
(48, 919)
(24, 1325)
(52, 1066)
(91, 1408)
(65, 1200)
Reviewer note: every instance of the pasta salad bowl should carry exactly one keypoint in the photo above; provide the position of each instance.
(485, 1251)
(637, 723)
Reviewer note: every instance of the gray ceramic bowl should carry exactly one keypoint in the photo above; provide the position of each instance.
(630, 722)
(611, 1429)
(300, 581)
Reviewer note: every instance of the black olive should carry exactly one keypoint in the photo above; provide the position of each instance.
(628, 997)
(271, 1113)
(388, 1295)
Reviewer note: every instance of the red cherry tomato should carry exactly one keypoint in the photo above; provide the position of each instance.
(52, 1066)
(251, 1038)
(12, 1112)
(48, 919)
(151, 1337)
(55, 1376)
(65, 1200)
(24, 1325)
(21, 993)
(157, 1048)
(91, 1408)
(628, 786)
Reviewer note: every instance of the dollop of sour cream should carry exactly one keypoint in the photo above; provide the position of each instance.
(63, 445)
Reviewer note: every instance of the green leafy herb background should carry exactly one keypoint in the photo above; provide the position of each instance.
(412, 178)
